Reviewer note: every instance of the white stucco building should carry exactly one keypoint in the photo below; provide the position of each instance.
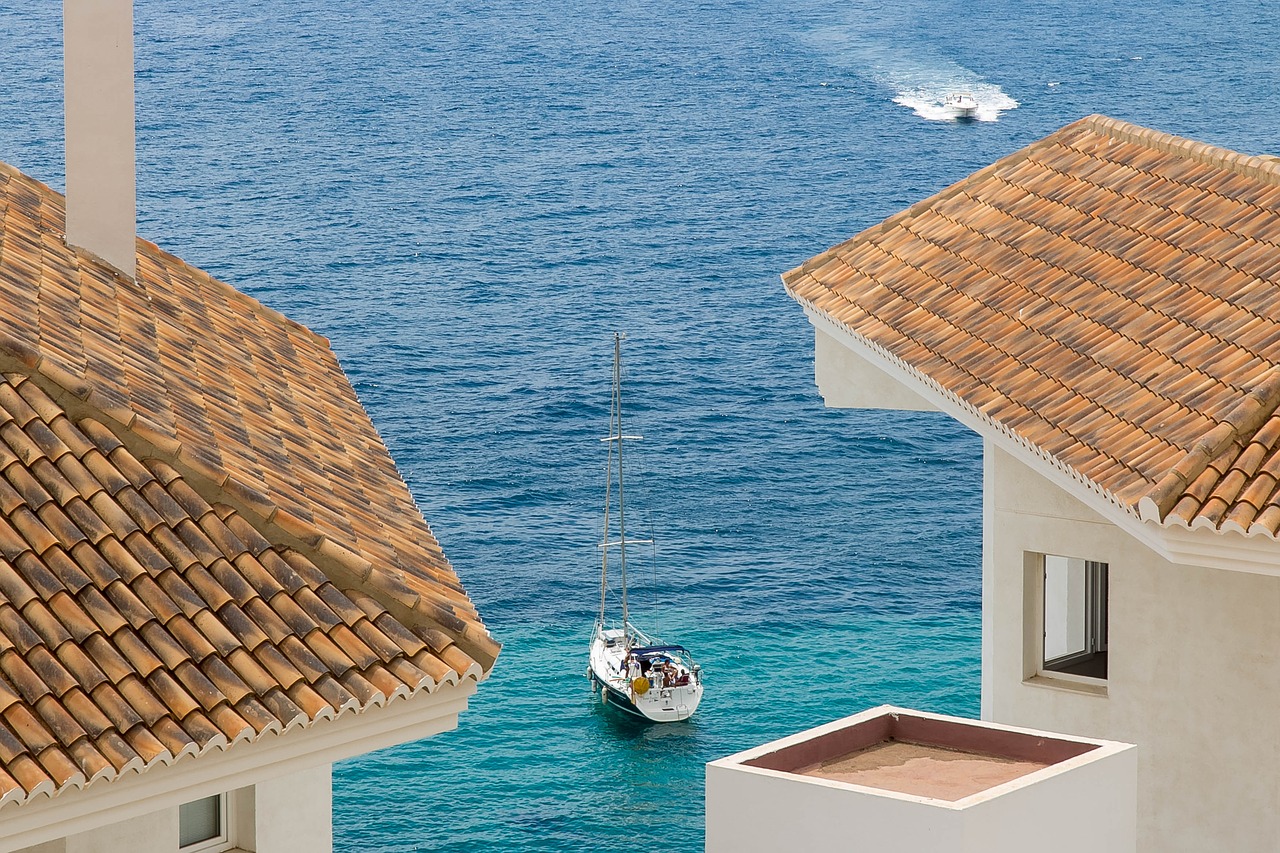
(213, 581)
(1103, 308)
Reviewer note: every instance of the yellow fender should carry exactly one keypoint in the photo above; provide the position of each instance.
(640, 685)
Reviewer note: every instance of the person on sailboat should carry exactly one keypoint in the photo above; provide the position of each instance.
(668, 673)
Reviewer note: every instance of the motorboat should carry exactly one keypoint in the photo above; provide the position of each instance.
(631, 671)
(962, 104)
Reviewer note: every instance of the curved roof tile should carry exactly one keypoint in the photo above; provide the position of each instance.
(170, 635)
(202, 537)
(1109, 296)
(243, 401)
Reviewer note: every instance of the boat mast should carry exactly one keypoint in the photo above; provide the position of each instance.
(604, 541)
(622, 516)
(615, 435)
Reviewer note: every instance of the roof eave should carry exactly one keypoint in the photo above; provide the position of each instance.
(1254, 551)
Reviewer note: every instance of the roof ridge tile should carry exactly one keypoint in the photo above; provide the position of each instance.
(1252, 166)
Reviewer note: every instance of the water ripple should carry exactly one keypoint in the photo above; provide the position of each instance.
(467, 199)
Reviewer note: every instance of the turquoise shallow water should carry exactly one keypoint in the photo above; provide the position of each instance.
(469, 198)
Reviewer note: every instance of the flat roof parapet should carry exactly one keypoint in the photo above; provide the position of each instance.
(929, 755)
(910, 781)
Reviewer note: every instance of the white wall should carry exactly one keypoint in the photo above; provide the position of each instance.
(1193, 652)
(847, 381)
(295, 812)
(156, 832)
(1193, 667)
(286, 814)
(765, 813)
(1090, 808)
(153, 833)
(57, 846)
(760, 811)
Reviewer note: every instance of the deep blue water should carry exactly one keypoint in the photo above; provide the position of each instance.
(468, 198)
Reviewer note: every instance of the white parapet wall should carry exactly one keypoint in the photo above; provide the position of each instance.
(925, 784)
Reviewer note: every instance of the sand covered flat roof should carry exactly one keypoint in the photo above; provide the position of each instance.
(922, 770)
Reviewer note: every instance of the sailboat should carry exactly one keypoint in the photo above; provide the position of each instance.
(630, 670)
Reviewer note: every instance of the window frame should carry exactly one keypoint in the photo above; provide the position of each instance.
(1036, 669)
(223, 840)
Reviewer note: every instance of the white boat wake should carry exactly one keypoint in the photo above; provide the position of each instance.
(928, 101)
(920, 80)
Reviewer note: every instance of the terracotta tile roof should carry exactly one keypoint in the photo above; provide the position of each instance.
(141, 623)
(202, 537)
(1110, 297)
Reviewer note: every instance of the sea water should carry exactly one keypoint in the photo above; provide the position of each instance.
(469, 198)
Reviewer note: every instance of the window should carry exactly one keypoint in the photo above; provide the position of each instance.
(204, 825)
(1074, 618)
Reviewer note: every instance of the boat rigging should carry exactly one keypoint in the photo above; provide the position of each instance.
(632, 671)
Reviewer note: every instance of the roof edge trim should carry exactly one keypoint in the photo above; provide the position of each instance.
(931, 390)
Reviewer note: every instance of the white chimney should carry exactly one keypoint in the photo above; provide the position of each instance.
(97, 39)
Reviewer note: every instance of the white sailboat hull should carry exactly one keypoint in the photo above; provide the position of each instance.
(648, 695)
